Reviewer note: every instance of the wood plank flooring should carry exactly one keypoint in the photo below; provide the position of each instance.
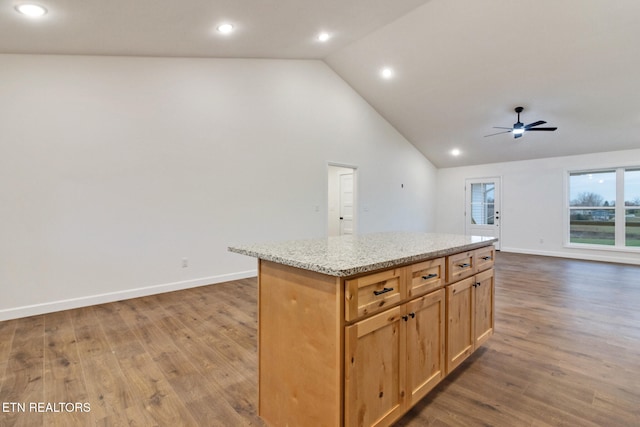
(566, 352)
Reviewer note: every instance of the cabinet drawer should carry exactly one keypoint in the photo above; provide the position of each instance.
(425, 277)
(373, 293)
(485, 257)
(460, 266)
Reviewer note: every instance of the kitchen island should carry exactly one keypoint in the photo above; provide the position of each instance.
(354, 330)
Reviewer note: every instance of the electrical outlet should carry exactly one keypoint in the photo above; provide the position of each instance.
(185, 262)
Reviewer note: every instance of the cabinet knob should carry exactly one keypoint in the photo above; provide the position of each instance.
(429, 276)
(406, 317)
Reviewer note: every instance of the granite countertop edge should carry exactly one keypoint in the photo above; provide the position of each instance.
(363, 267)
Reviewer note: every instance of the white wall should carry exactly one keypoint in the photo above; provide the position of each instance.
(114, 169)
(533, 213)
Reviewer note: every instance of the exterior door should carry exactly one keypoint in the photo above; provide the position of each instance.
(482, 208)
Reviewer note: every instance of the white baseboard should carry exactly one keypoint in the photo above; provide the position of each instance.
(575, 255)
(50, 307)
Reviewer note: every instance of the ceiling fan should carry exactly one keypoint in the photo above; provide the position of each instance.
(520, 128)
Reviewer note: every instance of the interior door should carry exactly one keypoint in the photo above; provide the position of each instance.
(482, 208)
(346, 203)
(342, 198)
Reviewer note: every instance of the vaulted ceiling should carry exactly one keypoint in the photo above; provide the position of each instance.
(459, 67)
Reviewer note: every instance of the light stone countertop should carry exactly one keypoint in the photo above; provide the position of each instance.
(349, 255)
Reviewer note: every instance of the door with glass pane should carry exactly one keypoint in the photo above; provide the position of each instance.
(482, 207)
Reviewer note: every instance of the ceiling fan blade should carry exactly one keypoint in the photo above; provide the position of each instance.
(538, 123)
(500, 127)
(506, 131)
(529, 130)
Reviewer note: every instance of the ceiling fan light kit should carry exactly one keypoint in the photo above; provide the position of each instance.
(518, 129)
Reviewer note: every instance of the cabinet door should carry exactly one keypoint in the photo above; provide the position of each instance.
(375, 352)
(425, 319)
(483, 307)
(460, 333)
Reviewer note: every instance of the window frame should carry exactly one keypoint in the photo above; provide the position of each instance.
(626, 208)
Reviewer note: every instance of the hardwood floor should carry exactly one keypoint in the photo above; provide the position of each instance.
(566, 352)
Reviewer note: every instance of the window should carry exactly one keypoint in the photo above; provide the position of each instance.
(632, 207)
(596, 217)
(483, 203)
(592, 201)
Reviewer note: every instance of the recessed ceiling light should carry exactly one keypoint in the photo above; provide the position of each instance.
(455, 152)
(323, 37)
(31, 10)
(225, 28)
(387, 73)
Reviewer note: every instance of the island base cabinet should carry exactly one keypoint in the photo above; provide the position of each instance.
(470, 319)
(299, 347)
(483, 307)
(459, 322)
(361, 351)
(398, 350)
(425, 344)
(374, 360)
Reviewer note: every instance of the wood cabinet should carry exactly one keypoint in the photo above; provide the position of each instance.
(373, 293)
(484, 258)
(425, 344)
(375, 353)
(484, 307)
(393, 359)
(425, 276)
(470, 318)
(362, 350)
(460, 266)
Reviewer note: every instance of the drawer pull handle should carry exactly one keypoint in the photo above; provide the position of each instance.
(466, 264)
(430, 276)
(486, 258)
(383, 291)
